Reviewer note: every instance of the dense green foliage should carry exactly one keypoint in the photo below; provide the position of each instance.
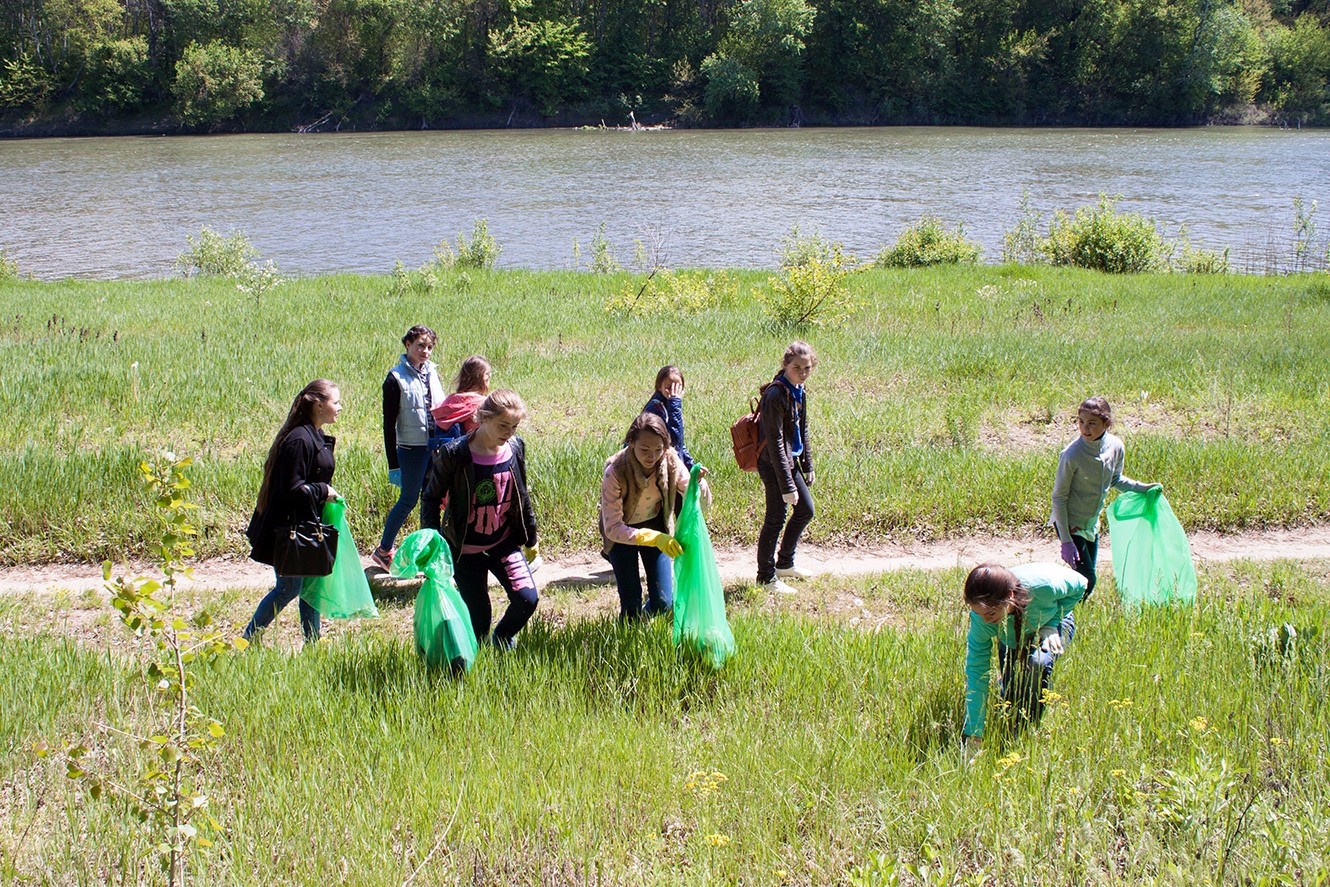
(930, 242)
(1183, 747)
(207, 64)
(1102, 239)
(939, 410)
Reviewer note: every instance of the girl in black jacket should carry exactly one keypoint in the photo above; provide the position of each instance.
(297, 481)
(487, 519)
(785, 464)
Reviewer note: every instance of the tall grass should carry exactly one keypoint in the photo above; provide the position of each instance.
(940, 410)
(1182, 743)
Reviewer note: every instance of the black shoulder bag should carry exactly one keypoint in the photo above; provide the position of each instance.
(305, 549)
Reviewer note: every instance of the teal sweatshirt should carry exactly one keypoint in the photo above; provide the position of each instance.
(1054, 591)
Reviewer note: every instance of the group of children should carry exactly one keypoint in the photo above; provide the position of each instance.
(459, 456)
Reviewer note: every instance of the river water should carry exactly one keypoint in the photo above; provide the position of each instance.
(122, 207)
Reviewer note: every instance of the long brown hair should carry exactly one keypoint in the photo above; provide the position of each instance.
(471, 377)
(301, 413)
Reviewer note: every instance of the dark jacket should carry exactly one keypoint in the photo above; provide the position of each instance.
(301, 479)
(779, 415)
(670, 411)
(452, 475)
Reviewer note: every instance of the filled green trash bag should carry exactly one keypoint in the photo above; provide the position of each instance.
(343, 593)
(1151, 557)
(699, 598)
(442, 620)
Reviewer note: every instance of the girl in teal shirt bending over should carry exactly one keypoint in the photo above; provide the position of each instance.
(1027, 610)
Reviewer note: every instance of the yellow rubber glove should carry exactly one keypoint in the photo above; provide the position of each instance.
(668, 545)
(531, 553)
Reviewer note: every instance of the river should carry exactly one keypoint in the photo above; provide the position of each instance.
(122, 207)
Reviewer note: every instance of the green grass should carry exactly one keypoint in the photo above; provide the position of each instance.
(940, 410)
(1183, 742)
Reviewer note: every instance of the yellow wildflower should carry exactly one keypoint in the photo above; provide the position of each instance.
(718, 840)
(1199, 724)
(1120, 704)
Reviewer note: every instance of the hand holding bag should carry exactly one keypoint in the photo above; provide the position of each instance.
(305, 549)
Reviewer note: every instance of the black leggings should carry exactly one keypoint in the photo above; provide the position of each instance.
(768, 558)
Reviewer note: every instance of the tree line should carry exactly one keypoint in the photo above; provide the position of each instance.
(201, 65)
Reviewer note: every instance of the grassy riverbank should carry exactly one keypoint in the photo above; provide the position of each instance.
(939, 410)
(1181, 744)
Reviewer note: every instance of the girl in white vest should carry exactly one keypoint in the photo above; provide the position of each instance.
(410, 390)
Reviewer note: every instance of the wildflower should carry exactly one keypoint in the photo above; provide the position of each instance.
(782, 874)
(1199, 724)
(1075, 791)
(1118, 774)
(1120, 704)
(1276, 741)
(718, 840)
(1051, 696)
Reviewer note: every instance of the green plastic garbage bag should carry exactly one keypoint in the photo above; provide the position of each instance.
(1151, 557)
(699, 598)
(343, 593)
(442, 620)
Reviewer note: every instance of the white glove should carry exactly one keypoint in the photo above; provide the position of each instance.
(791, 498)
(1050, 640)
(704, 493)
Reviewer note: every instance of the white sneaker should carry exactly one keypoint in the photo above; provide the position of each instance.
(792, 573)
(776, 586)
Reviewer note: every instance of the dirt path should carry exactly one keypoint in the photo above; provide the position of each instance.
(737, 564)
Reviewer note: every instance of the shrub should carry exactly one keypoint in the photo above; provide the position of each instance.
(1191, 260)
(813, 292)
(1102, 239)
(479, 251)
(214, 80)
(1021, 245)
(256, 280)
(24, 83)
(671, 292)
(545, 59)
(731, 89)
(602, 254)
(212, 253)
(796, 249)
(118, 73)
(8, 266)
(928, 242)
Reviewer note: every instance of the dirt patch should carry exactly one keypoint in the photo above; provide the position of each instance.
(737, 565)
(69, 600)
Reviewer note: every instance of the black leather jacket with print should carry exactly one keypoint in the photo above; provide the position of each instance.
(452, 477)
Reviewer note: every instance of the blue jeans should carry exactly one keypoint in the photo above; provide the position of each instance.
(768, 559)
(660, 576)
(1026, 675)
(1088, 549)
(285, 591)
(413, 461)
